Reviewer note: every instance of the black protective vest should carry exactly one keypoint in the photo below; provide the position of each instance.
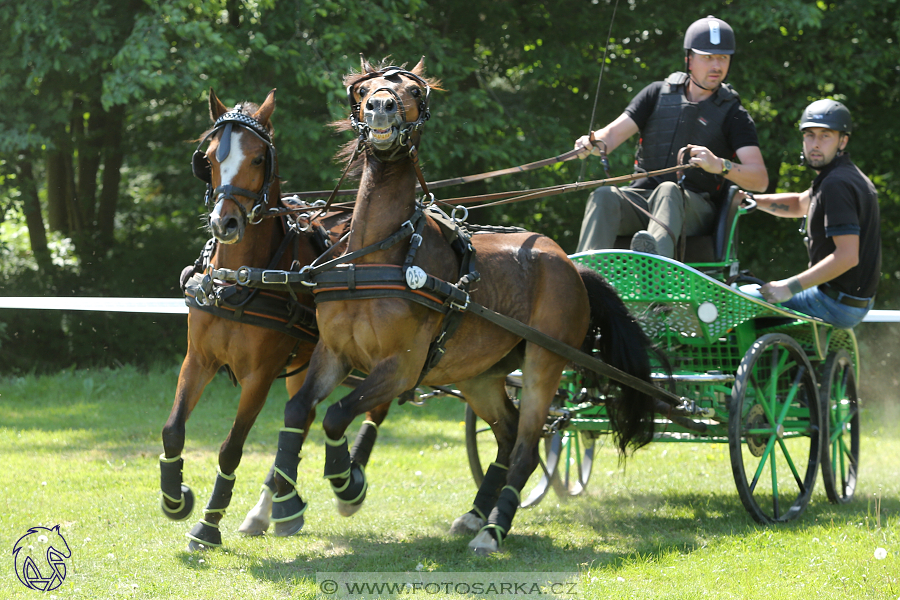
(676, 122)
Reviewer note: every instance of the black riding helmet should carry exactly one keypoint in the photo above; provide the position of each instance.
(830, 114)
(709, 36)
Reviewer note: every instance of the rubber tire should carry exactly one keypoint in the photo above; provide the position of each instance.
(840, 405)
(752, 383)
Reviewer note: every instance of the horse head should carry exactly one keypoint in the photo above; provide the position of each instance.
(238, 167)
(389, 105)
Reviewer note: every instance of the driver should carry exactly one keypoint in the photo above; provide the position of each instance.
(696, 108)
(843, 235)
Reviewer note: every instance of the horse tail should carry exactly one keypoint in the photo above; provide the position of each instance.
(624, 345)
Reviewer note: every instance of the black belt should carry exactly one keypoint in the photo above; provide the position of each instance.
(844, 298)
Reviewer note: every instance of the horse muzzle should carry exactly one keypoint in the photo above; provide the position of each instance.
(227, 227)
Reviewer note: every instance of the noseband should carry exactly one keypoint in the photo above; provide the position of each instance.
(203, 170)
(407, 127)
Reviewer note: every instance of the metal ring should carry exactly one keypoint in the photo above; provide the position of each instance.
(242, 276)
(429, 198)
(465, 213)
(304, 281)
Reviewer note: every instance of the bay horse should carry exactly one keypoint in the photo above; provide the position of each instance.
(525, 276)
(254, 335)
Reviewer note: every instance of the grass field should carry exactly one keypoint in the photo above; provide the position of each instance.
(80, 449)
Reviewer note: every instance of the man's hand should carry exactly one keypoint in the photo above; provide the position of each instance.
(705, 159)
(777, 292)
(587, 148)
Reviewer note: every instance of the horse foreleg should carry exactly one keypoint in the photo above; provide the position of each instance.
(346, 475)
(489, 400)
(254, 390)
(326, 372)
(177, 499)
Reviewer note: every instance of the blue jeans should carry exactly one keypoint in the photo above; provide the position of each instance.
(814, 303)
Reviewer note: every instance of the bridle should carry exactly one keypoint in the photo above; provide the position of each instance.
(203, 170)
(407, 127)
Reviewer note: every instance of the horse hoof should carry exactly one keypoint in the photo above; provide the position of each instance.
(258, 519)
(484, 544)
(181, 511)
(289, 528)
(468, 524)
(348, 510)
(195, 546)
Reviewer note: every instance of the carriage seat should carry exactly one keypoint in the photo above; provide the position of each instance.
(709, 248)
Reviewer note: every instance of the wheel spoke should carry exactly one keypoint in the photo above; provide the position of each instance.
(762, 462)
(775, 507)
(790, 462)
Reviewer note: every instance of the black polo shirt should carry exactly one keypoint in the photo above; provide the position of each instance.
(843, 201)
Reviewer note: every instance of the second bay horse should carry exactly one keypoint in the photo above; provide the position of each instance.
(525, 276)
(241, 172)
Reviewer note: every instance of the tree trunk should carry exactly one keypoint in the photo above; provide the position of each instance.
(57, 205)
(112, 165)
(31, 206)
(234, 15)
(90, 146)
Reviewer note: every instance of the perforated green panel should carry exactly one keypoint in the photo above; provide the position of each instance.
(666, 295)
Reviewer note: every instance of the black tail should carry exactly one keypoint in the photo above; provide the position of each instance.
(623, 344)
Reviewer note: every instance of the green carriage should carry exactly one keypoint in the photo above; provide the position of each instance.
(778, 387)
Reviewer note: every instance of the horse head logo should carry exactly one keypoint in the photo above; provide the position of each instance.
(40, 558)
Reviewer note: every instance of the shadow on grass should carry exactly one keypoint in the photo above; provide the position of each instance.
(621, 529)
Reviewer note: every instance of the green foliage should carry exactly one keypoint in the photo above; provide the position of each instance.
(521, 83)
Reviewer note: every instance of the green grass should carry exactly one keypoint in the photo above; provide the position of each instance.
(80, 449)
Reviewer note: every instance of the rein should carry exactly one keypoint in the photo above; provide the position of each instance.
(517, 196)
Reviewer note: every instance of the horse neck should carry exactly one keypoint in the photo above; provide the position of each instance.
(386, 199)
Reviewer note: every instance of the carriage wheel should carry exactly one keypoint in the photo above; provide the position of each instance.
(775, 429)
(481, 448)
(576, 459)
(840, 405)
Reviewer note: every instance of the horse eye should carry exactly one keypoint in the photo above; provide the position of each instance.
(416, 92)
(258, 160)
(362, 92)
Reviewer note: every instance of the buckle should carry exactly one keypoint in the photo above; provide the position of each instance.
(274, 277)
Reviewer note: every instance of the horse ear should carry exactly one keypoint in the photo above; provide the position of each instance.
(216, 108)
(265, 111)
(419, 69)
(364, 65)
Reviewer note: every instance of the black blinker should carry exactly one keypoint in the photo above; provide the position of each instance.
(201, 168)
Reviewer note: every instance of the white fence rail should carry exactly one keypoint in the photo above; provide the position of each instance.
(176, 306)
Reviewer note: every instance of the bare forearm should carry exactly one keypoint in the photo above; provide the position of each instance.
(832, 266)
(751, 176)
(781, 205)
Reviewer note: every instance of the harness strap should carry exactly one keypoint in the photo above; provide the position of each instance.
(572, 354)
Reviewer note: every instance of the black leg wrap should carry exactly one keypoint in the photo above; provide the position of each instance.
(177, 500)
(365, 440)
(353, 492)
(287, 458)
(289, 506)
(501, 518)
(170, 477)
(287, 509)
(270, 480)
(206, 533)
(221, 495)
(489, 490)
(337, 458)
